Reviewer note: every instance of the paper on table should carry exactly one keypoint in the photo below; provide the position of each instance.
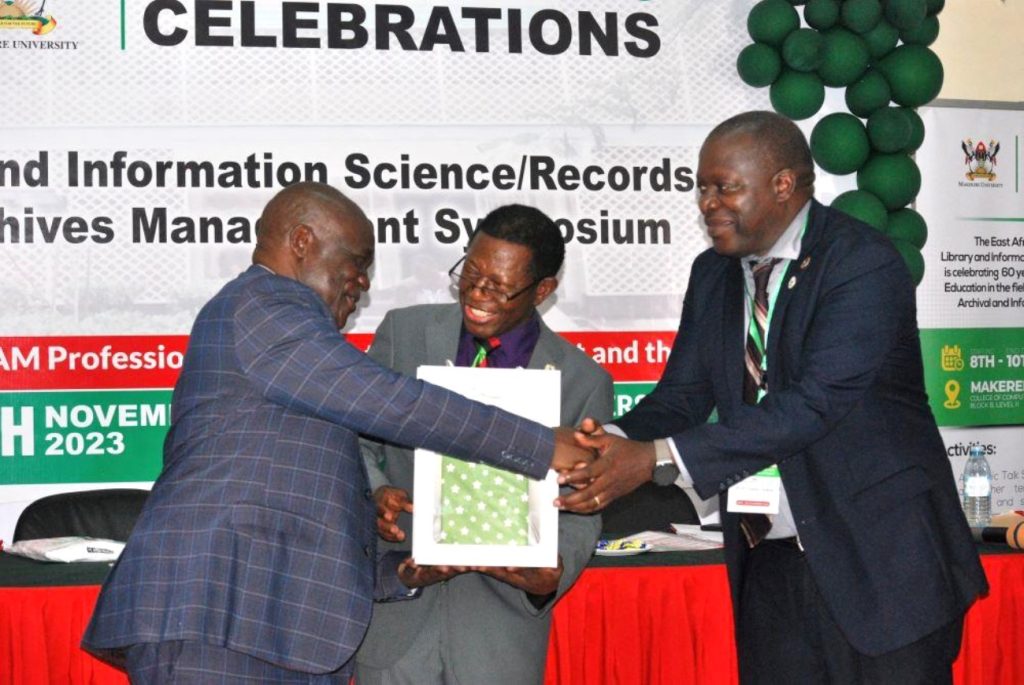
(688, 539)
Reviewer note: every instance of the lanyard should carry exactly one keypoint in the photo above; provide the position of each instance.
(752, 329)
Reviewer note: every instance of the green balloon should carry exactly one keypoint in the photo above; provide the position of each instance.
(914, 74)
(881, 39)
(909, 226)
(803, 50)
(759, 65)
(913, 259)
(846, 58)
(862, 205)
(893, 178)
(935, 6)
(797, 94)
(916, 130)
(861, 15)
(889, 129)
(770, 21)
(868, 94)
(906, 14)
(925, 33)
(839, 143)
(821, 14)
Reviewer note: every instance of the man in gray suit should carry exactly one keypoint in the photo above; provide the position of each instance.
(253, 559)
(486, 625)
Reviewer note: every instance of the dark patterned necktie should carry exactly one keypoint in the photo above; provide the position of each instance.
(482, 505)
(756, 526)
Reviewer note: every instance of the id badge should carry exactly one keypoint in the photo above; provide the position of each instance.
(757, 494)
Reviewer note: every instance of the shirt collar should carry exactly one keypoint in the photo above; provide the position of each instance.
(515, 350)
(788, 244)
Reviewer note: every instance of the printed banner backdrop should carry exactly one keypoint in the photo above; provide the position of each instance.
(971, 300)
(151, 133)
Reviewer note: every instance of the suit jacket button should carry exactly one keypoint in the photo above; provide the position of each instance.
(368, 493)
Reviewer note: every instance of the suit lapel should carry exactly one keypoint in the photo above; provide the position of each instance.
(547, 350)
(797, 275)
(733, 325)
(442, 336)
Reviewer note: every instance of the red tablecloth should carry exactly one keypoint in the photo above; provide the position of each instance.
(633, 625)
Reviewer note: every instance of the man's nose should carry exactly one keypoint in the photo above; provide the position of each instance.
(707, 201)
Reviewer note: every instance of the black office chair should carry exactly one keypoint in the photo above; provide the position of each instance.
(109, 514)
(649, 507)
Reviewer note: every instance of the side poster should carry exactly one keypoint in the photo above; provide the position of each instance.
(971, 301)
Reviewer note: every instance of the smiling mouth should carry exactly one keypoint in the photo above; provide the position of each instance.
(477, 315)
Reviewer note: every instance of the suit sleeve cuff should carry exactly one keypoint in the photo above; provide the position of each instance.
(389, 587)
(684, 480)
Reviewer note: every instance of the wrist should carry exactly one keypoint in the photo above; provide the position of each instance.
(665, 471)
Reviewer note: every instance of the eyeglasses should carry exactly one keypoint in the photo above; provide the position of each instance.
(460, 279)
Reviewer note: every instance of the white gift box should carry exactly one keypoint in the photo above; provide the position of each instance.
(531, 393)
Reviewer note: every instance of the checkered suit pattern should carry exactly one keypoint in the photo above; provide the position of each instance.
(259, 533)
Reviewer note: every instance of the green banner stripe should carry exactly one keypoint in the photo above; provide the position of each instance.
(82, 437)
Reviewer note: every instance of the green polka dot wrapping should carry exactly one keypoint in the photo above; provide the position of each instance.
(482, 505)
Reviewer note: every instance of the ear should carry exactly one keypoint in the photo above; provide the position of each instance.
(784, 184)
(300, 240)
(544, 290)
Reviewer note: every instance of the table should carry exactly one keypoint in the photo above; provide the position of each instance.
(656, 618)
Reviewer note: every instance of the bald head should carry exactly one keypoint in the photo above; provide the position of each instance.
(312, 233)
(296, 204)
(777, 143)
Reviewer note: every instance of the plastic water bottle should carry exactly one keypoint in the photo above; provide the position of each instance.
(977, 483)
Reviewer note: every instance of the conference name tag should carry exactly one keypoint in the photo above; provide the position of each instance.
(758, 494)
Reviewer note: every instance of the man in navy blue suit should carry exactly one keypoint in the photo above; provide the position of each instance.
(254, 559)
(851, 561)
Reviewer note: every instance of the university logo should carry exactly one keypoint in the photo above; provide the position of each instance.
(980, 160)
(27, 15)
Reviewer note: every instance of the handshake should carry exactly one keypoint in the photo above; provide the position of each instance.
(601, 466)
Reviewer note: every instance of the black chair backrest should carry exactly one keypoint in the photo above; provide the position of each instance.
(108, 514)
(649, 507)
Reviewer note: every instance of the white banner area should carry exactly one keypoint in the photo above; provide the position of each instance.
(145, 136)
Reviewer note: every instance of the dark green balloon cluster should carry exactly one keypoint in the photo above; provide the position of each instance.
(878, 51)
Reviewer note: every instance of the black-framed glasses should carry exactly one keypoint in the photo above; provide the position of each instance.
(460, 278)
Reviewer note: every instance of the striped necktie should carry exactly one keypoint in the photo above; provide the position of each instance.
(482, 505)
(756, 526)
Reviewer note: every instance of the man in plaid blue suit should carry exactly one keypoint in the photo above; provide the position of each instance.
(255, 558)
